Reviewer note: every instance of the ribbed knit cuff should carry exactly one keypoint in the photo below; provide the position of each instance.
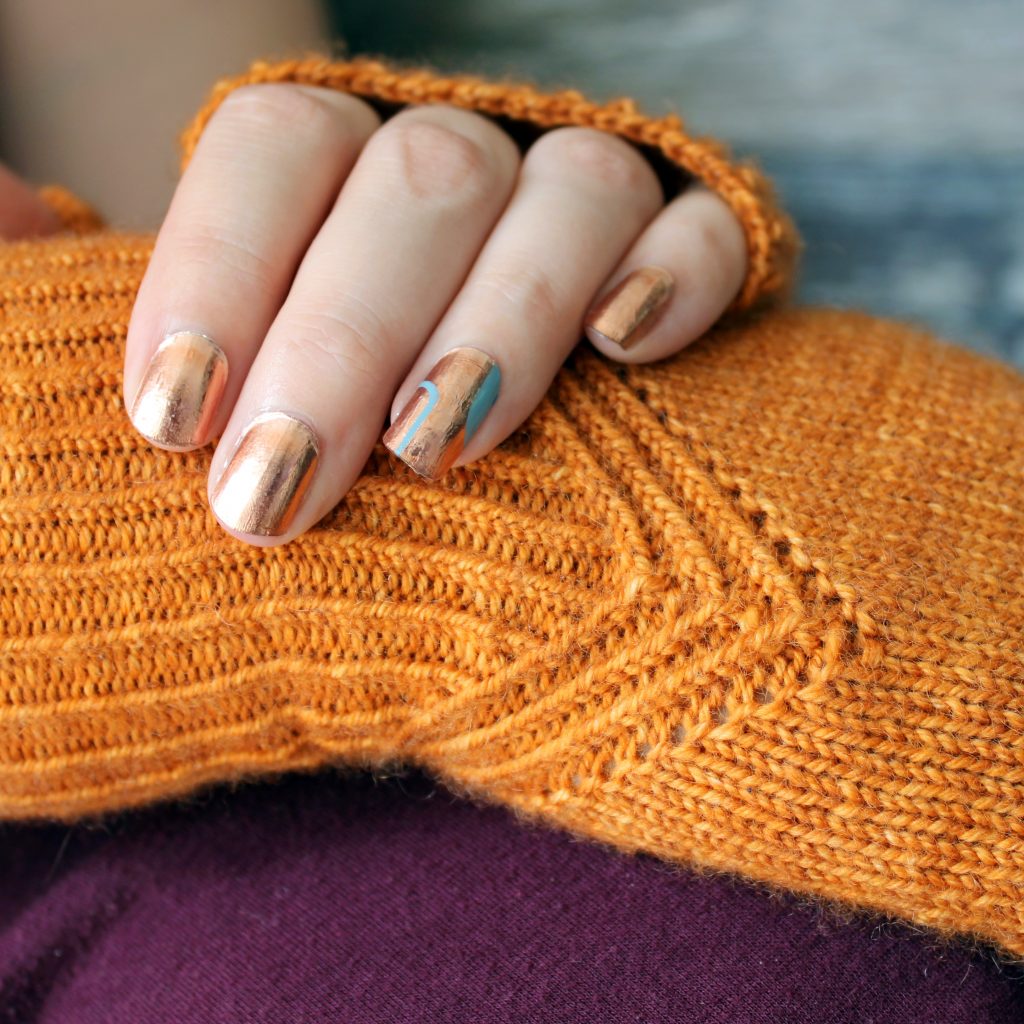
(76, 215)
(756, 607)
(772, 240)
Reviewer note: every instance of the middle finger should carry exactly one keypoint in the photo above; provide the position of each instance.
(420, 201)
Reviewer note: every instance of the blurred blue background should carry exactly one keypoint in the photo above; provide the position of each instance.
(892, 128)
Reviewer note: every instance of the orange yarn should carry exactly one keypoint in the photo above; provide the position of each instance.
(74, 214)
(757, 607)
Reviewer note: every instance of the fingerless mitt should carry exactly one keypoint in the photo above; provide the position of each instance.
(757, 607)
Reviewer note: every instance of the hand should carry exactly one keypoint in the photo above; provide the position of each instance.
(22, 213)
(318, 269)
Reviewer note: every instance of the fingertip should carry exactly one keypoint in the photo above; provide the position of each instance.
(678, 279)
(258, 488)
(440, 423)
(177, 403)
(630, 310)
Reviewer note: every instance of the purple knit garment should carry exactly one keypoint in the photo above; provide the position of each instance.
(331, 897)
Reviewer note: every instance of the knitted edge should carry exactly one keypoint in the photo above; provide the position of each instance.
(773, 243)
(75, 214)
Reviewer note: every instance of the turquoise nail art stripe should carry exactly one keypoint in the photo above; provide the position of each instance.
(432, 396)
(483, 401)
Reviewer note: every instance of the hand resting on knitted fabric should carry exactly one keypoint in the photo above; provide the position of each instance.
(756, 605)
(319, 267)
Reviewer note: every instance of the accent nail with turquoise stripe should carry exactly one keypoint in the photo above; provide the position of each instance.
(445, 412)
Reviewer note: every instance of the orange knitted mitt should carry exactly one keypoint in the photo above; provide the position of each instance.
(757, 607)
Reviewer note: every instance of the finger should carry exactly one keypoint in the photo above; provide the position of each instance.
(406, 227)
(22, 213)
(674, 283)
(582, 197)
(262, 178)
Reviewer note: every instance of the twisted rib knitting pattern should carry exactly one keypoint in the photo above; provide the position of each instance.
(757, 607)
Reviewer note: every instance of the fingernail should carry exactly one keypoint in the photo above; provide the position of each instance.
(438, 421)
(270, 470)
(628, 312)
(177, 401)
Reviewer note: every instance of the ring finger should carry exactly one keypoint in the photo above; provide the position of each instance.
(583, 195)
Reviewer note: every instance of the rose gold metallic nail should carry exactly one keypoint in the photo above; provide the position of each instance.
(437, 422)
(177, 400)
(268, 475)
(629, 310)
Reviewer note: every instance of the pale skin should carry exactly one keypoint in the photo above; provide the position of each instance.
(335, 259)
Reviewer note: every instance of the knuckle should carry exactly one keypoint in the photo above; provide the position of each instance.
(528, 291)
(601, 157)
(435, 161)
(713, 257)
(274, 108)
(204, 247)
(337, 344)
(705, 235)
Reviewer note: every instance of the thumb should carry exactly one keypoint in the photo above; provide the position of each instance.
(23, 213)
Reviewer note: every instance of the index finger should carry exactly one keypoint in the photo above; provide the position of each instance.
(263, 176)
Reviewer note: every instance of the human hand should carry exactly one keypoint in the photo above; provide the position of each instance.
(23, 214)
(317, 269)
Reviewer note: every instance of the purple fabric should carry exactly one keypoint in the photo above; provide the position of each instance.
(347, 898)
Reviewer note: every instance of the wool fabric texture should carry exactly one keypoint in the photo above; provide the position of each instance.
(755, 607)
(351, 897)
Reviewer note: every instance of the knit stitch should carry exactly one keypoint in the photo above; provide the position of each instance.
(756, 607)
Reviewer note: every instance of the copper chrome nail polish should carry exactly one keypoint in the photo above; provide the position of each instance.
(269, 472)
(438, 421)
(177, 400)
(628, 312)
